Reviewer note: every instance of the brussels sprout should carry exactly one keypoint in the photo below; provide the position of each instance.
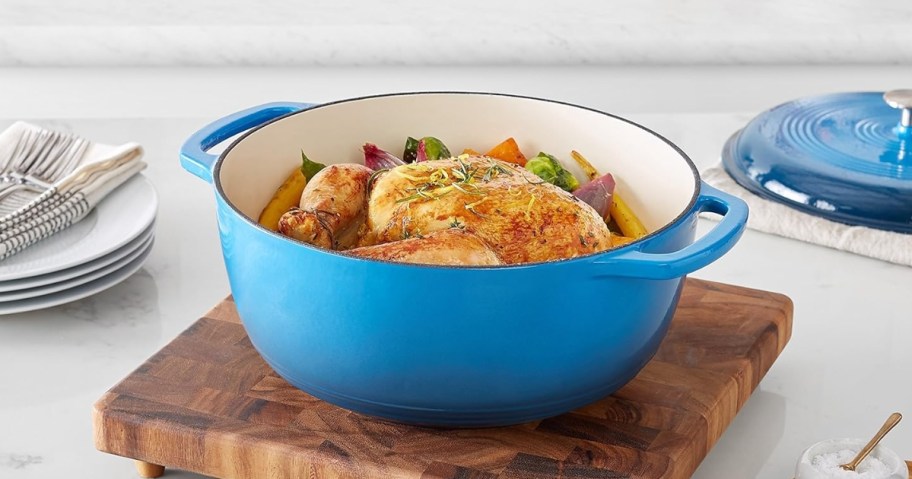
(411, 150)
(549, 169)
(434, 149)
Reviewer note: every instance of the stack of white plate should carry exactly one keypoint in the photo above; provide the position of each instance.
(103, 249)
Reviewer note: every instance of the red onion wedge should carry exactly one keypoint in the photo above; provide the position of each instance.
(377, 159)
(421, 152)
(597, 193)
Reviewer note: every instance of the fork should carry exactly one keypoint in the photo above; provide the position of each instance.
(39, 159)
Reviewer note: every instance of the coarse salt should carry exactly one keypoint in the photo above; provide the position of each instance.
(870, 468)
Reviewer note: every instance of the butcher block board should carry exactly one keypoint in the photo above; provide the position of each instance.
(208, 403)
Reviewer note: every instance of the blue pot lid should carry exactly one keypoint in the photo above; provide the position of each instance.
(846, 157)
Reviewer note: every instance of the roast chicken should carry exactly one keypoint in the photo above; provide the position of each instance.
(469, 210)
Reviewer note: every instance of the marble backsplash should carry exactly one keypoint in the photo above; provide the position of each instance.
(468, 32)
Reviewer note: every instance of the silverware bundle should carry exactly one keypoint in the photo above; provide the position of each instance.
(51, 180)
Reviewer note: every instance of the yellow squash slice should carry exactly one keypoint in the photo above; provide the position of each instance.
(286, 197)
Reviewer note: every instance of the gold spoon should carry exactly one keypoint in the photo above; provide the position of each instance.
(863, 453)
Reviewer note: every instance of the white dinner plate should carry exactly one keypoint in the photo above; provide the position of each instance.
(120, 218)
(73, 282)
(78, 292)
(79, 270)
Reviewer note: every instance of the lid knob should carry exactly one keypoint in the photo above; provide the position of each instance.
(901, 99)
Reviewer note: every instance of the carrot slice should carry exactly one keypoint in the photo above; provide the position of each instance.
(618, 240)
(508, 151)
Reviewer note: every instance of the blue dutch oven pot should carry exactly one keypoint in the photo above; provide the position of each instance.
(450, 346)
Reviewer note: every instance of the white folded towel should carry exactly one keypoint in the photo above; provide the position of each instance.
(779, 219)
(35, 217)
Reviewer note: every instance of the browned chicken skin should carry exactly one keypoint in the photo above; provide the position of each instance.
(332, 208)
(448, 247)
(511, 213)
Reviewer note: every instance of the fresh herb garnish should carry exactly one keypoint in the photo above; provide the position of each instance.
(441, 182)
(374, 176)
(309, 168)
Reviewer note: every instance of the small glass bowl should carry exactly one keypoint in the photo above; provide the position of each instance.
(806, 470)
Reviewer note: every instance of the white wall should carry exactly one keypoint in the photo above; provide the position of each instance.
(394, 32)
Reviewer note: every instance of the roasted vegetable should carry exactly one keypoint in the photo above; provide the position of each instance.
(289, 193)
(421, 154)
(434, 149)
(410, 150)
(597, 194)
(618, 240)
(508, 151)
(619, 212)
(469, 151)
(378, 159)
(549, 169)
(629, 224)
(584, 164)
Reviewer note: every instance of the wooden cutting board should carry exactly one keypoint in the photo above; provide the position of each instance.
(207, 403)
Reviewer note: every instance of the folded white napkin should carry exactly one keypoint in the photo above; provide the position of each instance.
(779, 219)
(29, 217)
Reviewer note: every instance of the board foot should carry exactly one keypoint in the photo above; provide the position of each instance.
(148, 470)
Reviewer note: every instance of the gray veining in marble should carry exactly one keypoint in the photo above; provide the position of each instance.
(468, 32)
(19, 461)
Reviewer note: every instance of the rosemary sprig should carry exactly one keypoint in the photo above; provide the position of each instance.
(533, 182)
(373, 177)
(494, 170)
(440, 182)
(408, 198)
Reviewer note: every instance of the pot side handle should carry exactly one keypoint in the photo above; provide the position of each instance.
(703, 251)
(193, 155)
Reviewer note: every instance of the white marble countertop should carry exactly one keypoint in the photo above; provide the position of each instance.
(846, 368)
(467, 32)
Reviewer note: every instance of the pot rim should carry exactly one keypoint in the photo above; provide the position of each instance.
(634, 245)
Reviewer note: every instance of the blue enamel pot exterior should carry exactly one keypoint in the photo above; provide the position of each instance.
(447, 346)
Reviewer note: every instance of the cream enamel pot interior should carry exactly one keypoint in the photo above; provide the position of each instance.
(456, 346)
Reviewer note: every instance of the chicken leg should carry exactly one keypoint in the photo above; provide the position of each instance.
(332, 209)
